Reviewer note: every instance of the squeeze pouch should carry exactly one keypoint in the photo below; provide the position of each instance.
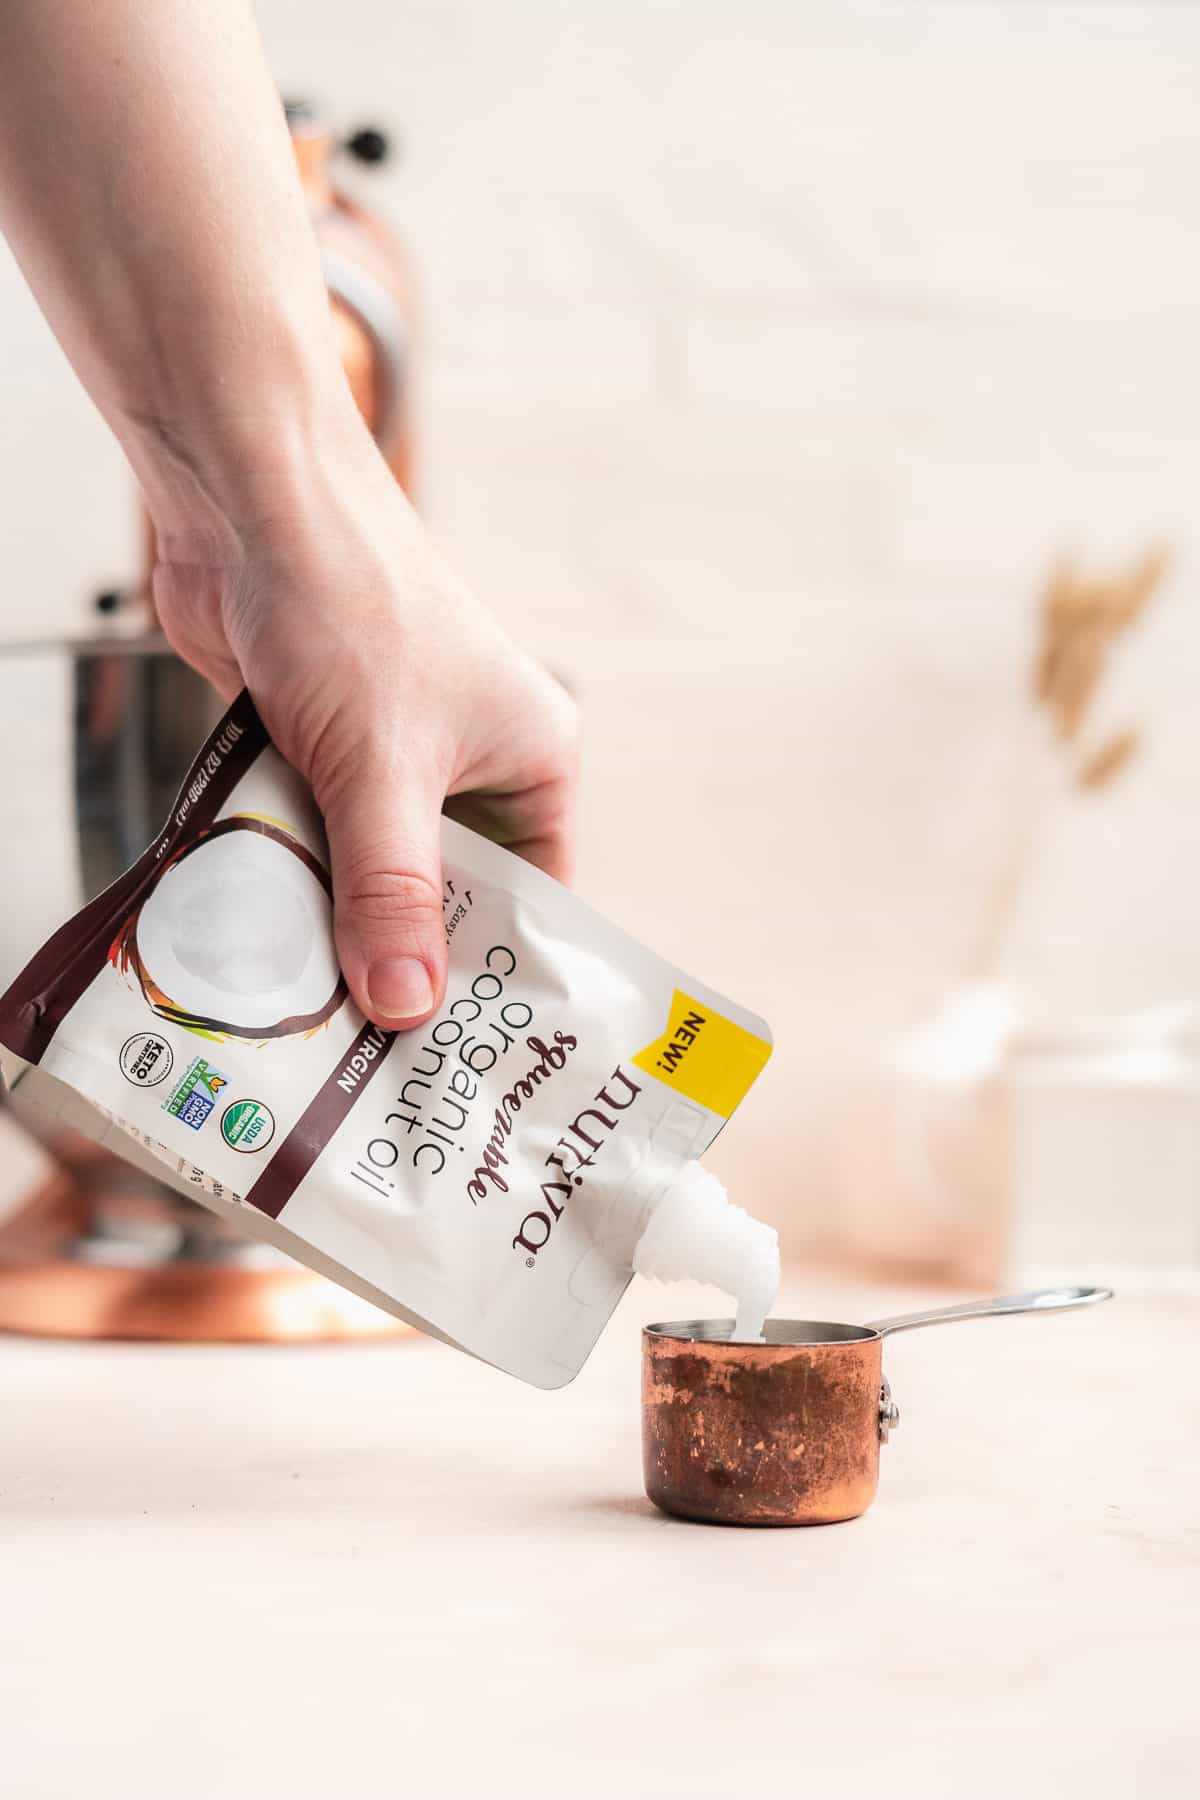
(485, 1176)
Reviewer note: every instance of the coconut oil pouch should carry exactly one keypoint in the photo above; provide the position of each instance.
(484, 1177)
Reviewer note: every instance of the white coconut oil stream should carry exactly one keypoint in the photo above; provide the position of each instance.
(696, 1233)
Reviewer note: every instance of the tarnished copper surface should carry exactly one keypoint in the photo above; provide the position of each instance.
(761, 1434)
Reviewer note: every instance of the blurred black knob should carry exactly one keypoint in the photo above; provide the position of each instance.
(369, 145)
(109, 601)
(299, 111)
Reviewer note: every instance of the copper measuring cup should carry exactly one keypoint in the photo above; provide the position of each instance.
(785, 1432)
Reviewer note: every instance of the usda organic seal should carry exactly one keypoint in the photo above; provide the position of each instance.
(247, 1125)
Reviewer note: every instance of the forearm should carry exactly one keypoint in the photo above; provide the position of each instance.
(148, 189)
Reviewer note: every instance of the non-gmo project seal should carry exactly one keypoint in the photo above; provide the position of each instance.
(146, 1059)
(247, 1125)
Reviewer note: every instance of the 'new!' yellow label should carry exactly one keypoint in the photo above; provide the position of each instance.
(704, 1055)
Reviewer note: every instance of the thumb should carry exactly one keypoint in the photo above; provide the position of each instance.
(387, 900)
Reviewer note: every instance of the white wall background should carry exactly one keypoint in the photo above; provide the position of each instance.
(773, 349)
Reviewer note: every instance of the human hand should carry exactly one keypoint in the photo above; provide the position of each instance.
(170, 243)
(391, 689)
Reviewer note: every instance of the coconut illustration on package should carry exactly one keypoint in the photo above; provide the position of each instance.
(235, 938)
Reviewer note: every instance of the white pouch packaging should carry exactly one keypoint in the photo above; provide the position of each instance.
(485, 1177)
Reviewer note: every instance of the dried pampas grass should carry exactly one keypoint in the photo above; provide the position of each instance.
(1081, 618)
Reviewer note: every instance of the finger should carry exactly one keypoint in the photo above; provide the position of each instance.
(387, 895)
(535, 825)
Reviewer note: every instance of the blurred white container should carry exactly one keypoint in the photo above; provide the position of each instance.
(981, 1153)
(1105, 1156)
(925, 1181)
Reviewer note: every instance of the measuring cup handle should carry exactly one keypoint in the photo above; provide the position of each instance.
(1045, 1300)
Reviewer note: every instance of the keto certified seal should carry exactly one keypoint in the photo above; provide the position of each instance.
(146, 1059)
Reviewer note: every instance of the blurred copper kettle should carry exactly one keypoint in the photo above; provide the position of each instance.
(140, 712)
(103, 1250)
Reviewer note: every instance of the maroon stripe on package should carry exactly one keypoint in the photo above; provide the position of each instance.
(65, 967)
(316, 1125)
